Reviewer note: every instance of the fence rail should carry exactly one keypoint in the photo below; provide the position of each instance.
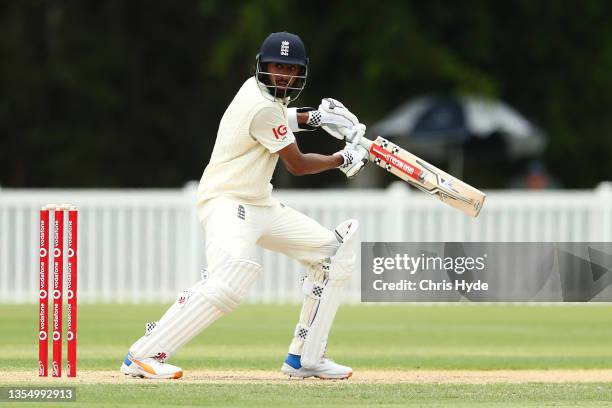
(147, 245)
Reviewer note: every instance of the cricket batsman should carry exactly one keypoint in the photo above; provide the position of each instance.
(238, 213)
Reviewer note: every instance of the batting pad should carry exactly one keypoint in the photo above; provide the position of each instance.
(208, 300)
(323, 288)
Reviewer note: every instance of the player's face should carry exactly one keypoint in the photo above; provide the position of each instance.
(282, 75)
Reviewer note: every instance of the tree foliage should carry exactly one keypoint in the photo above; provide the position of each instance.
(130, 93)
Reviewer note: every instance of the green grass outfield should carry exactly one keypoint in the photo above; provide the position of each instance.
(392, 338)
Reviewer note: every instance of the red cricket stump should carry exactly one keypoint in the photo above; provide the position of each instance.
(65, 233)
(58, 280)
(71, 289)
(43, 294)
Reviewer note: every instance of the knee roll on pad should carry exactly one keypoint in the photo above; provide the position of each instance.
(220, 295)
(315, 281)
(226, 286)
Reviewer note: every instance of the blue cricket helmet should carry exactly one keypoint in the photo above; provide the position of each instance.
(283, 48)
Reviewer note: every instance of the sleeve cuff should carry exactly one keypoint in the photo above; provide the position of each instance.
(275, 149)
(292, 119)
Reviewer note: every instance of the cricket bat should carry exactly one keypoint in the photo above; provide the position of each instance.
(424, 176)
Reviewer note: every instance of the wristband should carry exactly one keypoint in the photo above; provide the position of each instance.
(314, 118)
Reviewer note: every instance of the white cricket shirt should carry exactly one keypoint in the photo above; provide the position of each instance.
(252, 130)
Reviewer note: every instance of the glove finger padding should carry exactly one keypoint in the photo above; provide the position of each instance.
(355, 158)
(335, 130)
(336, 116)
(355, 169)
(354, 134)
(337, 108)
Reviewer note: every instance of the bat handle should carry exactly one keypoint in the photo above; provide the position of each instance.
(365, 142)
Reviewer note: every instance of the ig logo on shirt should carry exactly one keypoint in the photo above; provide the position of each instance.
(280, 132)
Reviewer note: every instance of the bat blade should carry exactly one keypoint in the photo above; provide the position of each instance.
(425, 176)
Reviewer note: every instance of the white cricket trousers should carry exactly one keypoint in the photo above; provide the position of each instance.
(238, 228)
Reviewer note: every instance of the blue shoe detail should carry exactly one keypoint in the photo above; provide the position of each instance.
(294, 361)
(127, 360)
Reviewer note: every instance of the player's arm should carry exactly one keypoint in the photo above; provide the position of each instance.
(300, 164)
(349, 160)
(302, 118)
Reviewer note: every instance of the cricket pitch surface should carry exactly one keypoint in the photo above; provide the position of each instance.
(359, 377)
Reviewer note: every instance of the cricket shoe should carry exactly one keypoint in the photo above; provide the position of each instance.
(327, 369)
(149, 368)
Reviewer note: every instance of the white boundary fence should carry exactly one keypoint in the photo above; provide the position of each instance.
(147, 245)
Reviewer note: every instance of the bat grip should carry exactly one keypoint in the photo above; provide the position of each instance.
(365, 142)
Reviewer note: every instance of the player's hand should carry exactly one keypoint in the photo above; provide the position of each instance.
(355, 158)
(353, 134)
(333, 117)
